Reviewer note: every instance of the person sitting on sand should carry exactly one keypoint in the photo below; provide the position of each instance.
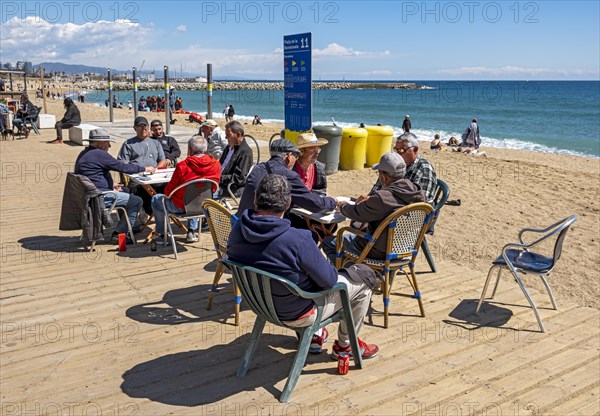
(453, 142)
(256, 121)
(436, 144)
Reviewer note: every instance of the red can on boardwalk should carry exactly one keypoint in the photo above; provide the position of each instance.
(343, 363)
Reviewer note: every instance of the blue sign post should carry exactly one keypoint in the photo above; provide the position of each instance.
(297, 84)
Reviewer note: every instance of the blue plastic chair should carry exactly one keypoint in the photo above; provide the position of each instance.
(517, 258)
(441, 194)
(255, 286)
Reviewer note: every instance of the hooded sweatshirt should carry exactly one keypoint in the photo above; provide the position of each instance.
(193, 167)
(378, 206)
(270, 243)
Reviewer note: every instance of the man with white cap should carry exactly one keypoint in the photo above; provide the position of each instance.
(396, 192)
(96, 163)
(215, 135)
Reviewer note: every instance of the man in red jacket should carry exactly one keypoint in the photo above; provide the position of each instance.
(198, 165)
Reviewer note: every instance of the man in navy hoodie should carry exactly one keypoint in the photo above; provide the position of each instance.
(266, 240)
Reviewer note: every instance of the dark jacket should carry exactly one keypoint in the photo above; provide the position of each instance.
(271, 244)
(72, 116)
(82, 208)
(96, 164)
(239, 166)
(170, 147)
(378, 206)
(301, 196)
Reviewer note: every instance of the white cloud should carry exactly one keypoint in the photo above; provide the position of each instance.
(337, 50)
(509, 70)
(181, 28)
(92, 43)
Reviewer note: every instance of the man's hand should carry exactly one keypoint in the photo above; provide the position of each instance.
(118, 187)
(362, 198)
(162, 164)
(150, 170)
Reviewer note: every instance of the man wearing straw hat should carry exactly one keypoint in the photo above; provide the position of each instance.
(96, 163)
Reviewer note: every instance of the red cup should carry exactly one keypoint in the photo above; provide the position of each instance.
(122, 242)
(343, 363)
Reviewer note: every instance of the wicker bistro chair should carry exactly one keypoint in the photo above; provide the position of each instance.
(517, 258)
(442, 192)
(255, 286)
(220, 220)
(195, 192)
(406, 231)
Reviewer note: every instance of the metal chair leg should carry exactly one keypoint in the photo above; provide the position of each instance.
(485, 287)
(428, 256)
(530, 300)
(497, 282)
(549, 292)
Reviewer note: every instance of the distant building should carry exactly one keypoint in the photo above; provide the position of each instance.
(25, 65)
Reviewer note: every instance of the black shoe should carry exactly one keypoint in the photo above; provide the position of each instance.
(114, 238)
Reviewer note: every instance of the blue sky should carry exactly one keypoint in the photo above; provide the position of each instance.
(395, 40)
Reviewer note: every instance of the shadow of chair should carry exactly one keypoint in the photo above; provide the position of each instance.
(518, 258)
(256, 288)
(441, 194)
(219, 221)
(406, 229)
(194, 193)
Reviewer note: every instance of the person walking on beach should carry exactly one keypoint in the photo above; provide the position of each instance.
(230, 112)
(71, 118)
(406, 126)
(471, 135)
(226, 113)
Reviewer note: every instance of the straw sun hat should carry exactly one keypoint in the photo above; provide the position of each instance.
(309, 140)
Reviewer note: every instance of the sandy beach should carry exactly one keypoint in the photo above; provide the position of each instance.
(500, 194)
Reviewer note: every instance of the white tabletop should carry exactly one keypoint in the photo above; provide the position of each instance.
(161, 176)
(325, 217)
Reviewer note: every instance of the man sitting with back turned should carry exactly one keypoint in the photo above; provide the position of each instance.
(395, 193)
(284, 155)
(265, 240)
(198, 165)
(96, 163)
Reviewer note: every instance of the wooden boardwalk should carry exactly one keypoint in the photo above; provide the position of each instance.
(128, 333)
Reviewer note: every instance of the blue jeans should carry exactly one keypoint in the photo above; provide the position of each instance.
(329, 246)
(132, 205)
(159, 213)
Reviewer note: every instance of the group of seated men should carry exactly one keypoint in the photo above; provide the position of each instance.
(266, 235)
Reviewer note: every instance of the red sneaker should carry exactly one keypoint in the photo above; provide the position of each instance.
(316, 344)
(366, 350)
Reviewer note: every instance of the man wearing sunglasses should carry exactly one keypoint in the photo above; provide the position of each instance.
(418, 170)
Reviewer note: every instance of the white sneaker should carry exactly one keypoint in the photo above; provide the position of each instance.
(191, 237)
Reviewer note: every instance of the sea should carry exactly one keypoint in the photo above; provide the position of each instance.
(541, 116)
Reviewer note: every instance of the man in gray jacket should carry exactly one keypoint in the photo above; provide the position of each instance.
(396, 192)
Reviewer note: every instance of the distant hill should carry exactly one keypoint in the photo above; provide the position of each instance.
(81, 69)
(74, 69)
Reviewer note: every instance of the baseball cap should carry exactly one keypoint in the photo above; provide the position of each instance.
(392, 164)
(140, 121)
(283, 146)
(209, 122)
(100, 135)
